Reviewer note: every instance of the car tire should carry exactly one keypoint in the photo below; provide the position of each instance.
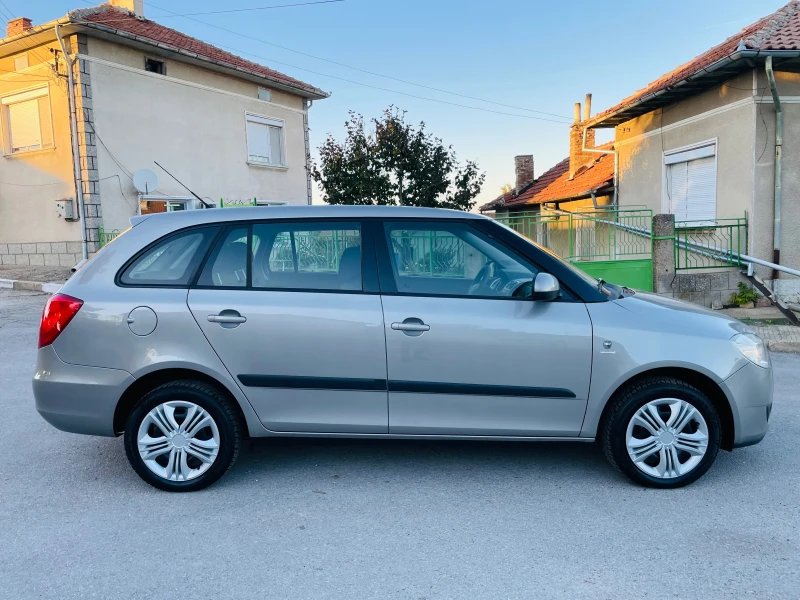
(667, 453)
(182, 436)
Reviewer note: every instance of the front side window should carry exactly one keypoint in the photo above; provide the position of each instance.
(26, 121)
(171, 262)
(453, 259)
(264, 141)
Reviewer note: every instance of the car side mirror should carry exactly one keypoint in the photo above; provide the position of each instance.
(545, 288)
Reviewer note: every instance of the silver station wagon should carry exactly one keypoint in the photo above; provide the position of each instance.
(196, 330)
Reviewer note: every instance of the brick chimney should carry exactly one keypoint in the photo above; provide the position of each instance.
(17, 26)
(523, 168)
(134, 6)
(578, 158)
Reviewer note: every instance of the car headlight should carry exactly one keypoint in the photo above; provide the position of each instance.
(752, 347)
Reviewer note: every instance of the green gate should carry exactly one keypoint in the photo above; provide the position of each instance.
(613, 244)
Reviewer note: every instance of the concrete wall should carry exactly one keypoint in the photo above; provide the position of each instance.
(764, 184)
(643, 141)
(32, 182)
(197, 133)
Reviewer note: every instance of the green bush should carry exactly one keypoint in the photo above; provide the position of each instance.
(745, 295)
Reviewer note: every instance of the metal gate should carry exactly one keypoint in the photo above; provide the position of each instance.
(613, 244)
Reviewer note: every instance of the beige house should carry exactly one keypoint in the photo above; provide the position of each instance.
(229, 129)
(700, 143)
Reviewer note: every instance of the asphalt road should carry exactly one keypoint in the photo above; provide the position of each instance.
(386, 519)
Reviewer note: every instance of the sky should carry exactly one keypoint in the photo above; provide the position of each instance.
(527, 54)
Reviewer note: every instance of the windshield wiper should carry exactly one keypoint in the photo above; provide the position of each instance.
(600, 284)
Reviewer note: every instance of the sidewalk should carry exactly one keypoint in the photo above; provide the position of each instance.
(770, 325)
(37, 279)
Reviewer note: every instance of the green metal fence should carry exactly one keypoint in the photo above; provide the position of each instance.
(317, 251)
(429, 253)
(106, 235)
(710, 244)
(612, 244)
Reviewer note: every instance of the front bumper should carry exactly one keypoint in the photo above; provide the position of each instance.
(75, 398)
(750, 393)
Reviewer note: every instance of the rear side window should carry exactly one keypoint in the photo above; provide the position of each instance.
(171, 261)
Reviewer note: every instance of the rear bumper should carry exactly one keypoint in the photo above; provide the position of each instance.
(750, 391)
(75, 398)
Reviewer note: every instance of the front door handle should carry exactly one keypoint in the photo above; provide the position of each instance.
(227, 317)
(411, 327)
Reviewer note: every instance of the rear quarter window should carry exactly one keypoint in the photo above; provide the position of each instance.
(171, 261)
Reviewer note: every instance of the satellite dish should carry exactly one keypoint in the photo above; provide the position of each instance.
(145, 181)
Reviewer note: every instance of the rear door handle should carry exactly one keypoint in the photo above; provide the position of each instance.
(411, 327)
(227, 319)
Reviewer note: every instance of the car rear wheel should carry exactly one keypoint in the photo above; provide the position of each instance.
(662, 432)
(182, 436)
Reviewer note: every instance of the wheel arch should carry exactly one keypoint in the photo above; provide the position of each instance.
(153, 379)
(710, 388)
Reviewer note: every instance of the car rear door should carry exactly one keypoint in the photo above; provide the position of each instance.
(293, 310)
(463, 356)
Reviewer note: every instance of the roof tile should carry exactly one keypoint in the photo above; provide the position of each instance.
(124, 21)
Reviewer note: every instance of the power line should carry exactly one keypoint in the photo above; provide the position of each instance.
(237, 10)
(10, 16)
(233, 32)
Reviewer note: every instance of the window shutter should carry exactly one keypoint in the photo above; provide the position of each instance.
(24, 126)
(45, 126)
(258, 146)
(701, 202)
(677, 186)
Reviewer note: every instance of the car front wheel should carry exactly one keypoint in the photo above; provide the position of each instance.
(182, 436)
(662, 432)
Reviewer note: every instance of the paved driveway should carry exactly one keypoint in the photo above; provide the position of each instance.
(386, 519)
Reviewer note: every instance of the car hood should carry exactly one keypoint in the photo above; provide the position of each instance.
(671, 312)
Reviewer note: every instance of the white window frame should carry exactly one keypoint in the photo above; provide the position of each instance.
(695, 151)
(23, 96)
(272, 122)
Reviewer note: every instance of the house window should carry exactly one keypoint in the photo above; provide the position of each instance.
(265, 141)
(26, 121)
(155, 66)
(691, 183)
(264, 94)
(21, 62)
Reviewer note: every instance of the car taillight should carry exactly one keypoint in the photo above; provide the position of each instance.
(58, 312)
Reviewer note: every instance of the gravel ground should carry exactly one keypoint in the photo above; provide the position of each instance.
(386, 519)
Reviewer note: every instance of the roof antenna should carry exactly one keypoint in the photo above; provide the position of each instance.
(205, 204)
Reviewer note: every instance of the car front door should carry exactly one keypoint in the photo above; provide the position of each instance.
(465, 356)
(292, 310)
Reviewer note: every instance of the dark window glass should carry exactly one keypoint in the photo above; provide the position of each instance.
(307, 255)
(173, 261)
(227, 265)
(453, 260)
(155, 66)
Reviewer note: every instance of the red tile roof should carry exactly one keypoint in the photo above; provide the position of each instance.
(778, 31)
(125, 23)
(556, 186)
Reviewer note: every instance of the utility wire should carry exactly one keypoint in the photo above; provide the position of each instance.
(373, 73)
(237, 10)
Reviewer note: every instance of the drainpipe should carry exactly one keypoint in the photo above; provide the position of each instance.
(73, 130)
(776, 225)
(587, 112)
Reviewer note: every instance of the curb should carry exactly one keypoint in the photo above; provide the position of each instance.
(31, 286)
(783, 346)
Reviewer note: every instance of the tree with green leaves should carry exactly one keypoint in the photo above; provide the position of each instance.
(397, 164)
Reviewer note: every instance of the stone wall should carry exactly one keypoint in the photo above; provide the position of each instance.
(712, 290)
(47, 254)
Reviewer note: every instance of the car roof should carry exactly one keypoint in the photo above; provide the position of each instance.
(186, 218)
